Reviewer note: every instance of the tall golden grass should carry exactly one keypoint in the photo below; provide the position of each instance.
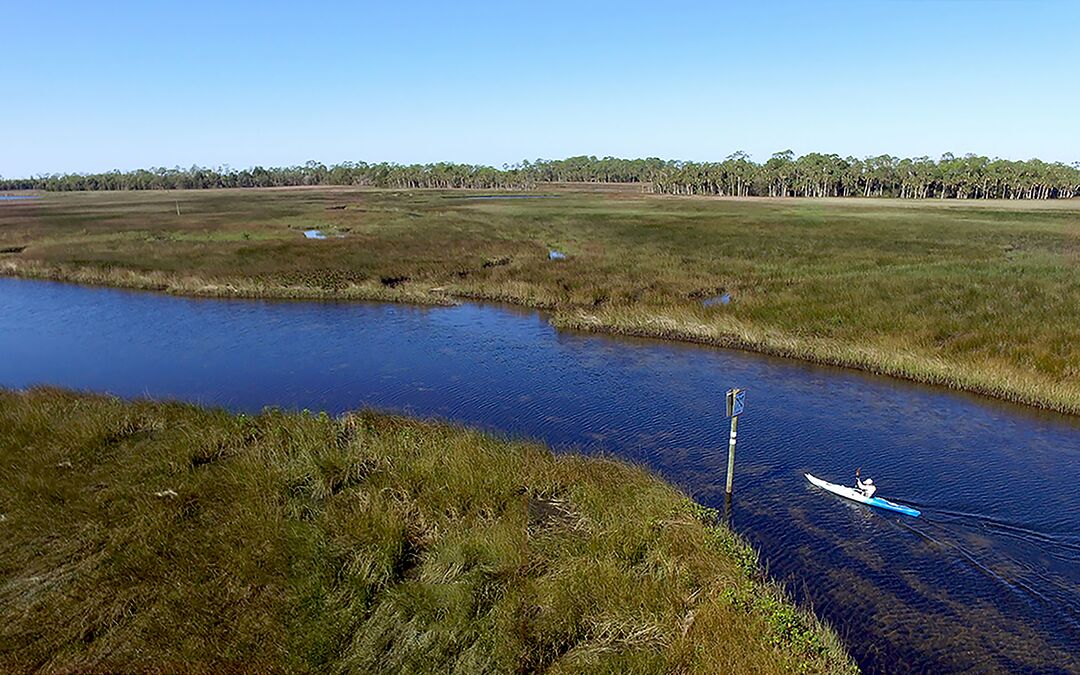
(151, 537)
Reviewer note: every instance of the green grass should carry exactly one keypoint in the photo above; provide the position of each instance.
(157, 537)
(983, 296)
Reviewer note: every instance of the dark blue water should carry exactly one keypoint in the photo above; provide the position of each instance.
(988, 579)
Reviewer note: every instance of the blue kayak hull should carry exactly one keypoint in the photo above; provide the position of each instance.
(886, 504)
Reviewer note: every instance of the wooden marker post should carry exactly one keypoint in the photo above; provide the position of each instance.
(736, 399)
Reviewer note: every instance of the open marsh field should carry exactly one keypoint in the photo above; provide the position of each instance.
(165, 537)
(980, 296)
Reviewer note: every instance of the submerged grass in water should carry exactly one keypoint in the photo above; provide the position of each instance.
(150, 536)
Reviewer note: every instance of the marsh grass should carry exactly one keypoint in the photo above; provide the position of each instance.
(998, 378)
(983, 296)
(165, 537)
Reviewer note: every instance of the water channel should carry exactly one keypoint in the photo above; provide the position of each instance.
(987, 579)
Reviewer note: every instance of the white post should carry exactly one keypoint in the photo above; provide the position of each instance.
(731, 454)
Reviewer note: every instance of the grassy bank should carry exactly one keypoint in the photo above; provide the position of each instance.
(148, 536)
(977, 296)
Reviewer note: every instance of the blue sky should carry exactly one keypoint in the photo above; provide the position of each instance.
(103, 85)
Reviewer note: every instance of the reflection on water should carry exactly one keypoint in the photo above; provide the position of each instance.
(987, 579)
(724, 299)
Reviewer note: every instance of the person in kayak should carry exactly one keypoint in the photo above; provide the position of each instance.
(867, 486)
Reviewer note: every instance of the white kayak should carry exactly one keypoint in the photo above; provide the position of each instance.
(855, 495)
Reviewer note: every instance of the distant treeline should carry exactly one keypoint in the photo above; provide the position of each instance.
(817, 175)
(782, 175)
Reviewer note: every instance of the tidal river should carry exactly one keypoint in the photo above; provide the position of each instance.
(987, 579)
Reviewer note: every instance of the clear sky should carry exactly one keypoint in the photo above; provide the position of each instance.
(91, 86)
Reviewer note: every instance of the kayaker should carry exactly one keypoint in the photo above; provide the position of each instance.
(867, 486)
